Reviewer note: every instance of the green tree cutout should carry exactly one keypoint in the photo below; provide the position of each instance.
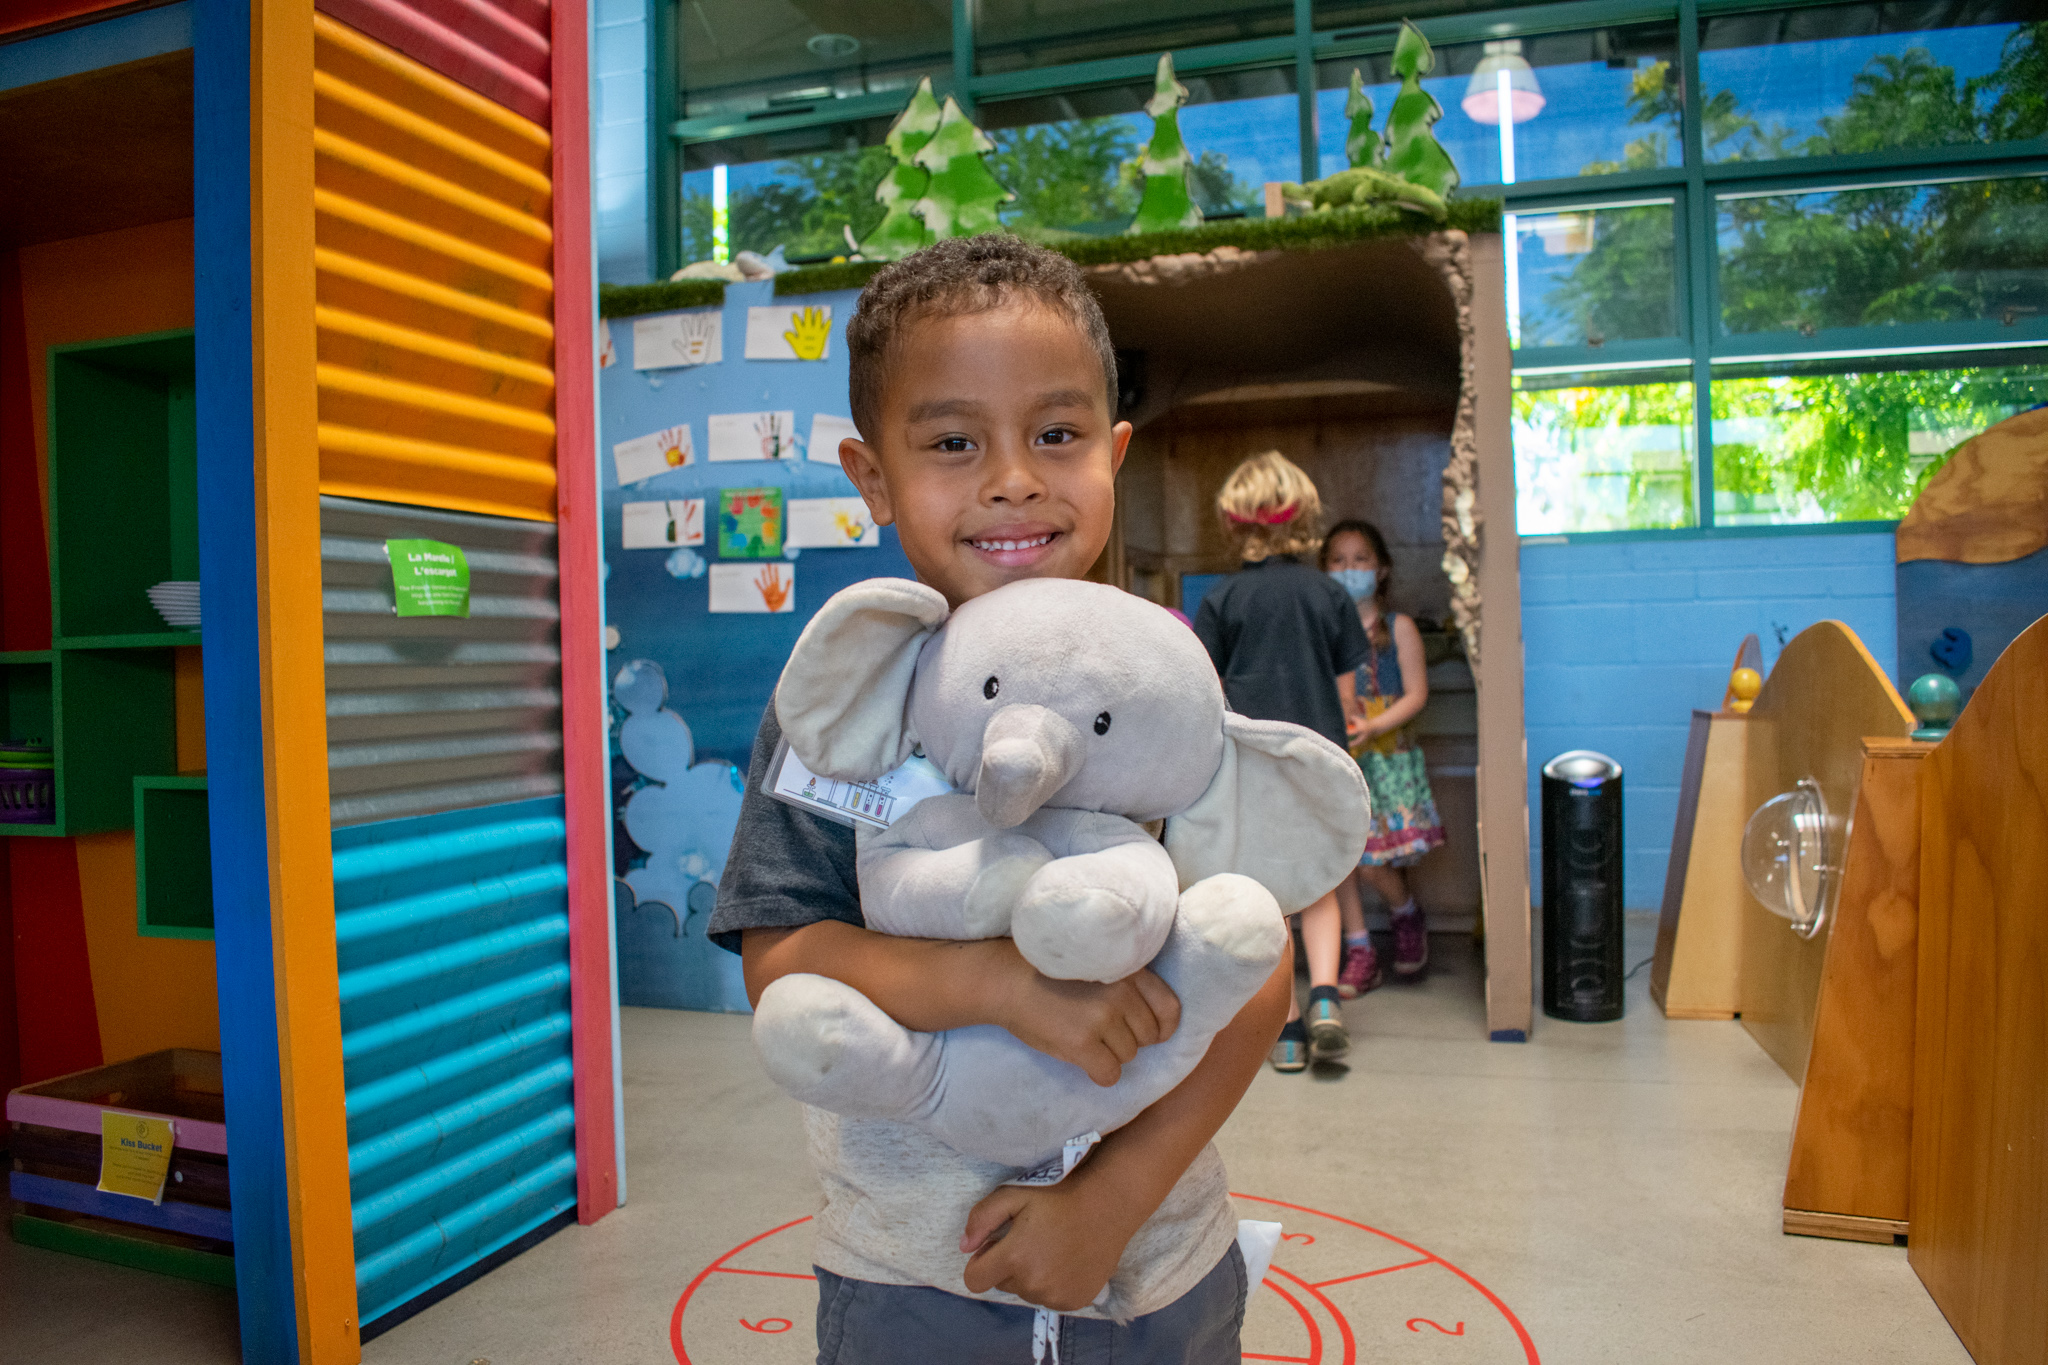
(1362, 146)
(1413, 151)
(901, 230)
(1166, 203)
(963, 195)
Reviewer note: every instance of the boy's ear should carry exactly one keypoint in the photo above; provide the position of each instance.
(863, 465)
(1287, 808)
(843, 702)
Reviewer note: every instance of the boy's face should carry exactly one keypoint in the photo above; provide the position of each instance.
(996, 457)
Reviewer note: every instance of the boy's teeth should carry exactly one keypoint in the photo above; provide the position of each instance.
(1030, 544)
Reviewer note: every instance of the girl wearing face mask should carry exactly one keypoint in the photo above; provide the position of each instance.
(1392, 688)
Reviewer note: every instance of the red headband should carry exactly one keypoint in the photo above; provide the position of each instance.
(1276, 518)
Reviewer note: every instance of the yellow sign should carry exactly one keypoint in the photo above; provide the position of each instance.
(135, 1155)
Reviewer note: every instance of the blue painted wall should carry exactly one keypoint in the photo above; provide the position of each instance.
(618, 135)
(1622, 640)
(715, 673)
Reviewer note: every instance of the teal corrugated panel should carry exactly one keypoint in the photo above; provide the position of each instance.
(453, 937)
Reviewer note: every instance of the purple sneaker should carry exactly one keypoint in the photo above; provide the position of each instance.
(1360, 972)
(1411, 944)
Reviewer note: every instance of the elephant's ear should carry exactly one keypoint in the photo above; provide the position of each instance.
(1287, 808)
(843, 699)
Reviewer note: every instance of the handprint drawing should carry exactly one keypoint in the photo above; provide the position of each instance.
(774, 584)
(810, 329)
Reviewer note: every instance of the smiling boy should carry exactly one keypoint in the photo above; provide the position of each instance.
(983, 385)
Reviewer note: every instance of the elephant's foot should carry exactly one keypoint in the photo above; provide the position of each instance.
(827, 1044)
(1009, 861)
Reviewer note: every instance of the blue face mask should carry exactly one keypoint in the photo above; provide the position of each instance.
(1358, 582)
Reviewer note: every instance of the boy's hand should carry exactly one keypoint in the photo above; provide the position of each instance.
(1053, 1247)
(1094, 1026)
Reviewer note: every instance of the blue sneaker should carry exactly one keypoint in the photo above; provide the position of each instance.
(1290, 1054)
(1328, 1039)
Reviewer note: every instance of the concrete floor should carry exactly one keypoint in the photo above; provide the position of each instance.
(1602, 1193)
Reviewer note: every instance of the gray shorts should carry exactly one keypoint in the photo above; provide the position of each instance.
(863, 1323)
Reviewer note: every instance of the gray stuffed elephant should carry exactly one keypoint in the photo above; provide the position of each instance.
(1069, 716)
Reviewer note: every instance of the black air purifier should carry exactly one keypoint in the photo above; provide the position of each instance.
(1582, 968)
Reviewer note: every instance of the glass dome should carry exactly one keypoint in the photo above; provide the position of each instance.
(1791, 854)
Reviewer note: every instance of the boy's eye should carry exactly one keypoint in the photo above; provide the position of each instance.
(1058, 436)
(954, 445)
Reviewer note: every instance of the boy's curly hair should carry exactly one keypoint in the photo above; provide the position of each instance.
(1269, 506)
(957, 276)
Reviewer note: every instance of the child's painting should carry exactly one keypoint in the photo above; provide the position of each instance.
(659, 525)
(831, 524)
(752, 436)
(749, 523)
(658, 452)
(768, 588)
(789, 332)
(671, 339)
(827, 431)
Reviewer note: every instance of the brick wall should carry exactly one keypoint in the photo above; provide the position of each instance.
(1623, 639)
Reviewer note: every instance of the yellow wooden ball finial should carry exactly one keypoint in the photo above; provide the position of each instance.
(1743, 685)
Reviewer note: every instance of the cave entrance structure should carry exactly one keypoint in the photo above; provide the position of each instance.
(1381, 366)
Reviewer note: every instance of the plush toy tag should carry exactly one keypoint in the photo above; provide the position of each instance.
(1061, 1166)
(874, 805)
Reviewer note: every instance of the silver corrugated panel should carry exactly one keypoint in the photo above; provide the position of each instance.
(434, 713)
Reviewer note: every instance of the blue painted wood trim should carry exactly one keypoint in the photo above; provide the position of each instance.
(89, 47)
(194, 1220)
(258, 1176)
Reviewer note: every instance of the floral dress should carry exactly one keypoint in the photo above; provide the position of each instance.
(1405, 824)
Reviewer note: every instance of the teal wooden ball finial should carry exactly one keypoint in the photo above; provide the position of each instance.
(1936, 701)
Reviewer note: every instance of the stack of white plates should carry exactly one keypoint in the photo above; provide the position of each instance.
(177, 603)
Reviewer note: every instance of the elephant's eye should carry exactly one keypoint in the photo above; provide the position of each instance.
(991, 687)
(1102, 723)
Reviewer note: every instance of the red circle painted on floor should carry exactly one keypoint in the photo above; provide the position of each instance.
(1317, 1327)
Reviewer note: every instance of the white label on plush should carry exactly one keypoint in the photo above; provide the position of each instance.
(875, 805)
(1061, 1166)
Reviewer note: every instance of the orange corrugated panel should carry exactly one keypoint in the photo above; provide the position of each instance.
(434, 250)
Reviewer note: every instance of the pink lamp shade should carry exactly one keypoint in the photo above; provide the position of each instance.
(1503, 59)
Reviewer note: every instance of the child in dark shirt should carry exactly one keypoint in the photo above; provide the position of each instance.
(1285, 639)
(983, 386)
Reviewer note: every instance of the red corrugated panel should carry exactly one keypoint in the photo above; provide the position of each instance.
(499, 50)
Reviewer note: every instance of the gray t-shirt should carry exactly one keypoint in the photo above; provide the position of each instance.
(896, 1198)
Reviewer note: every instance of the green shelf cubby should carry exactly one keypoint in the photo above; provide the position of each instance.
(28, 708)
(124, 516)
(124, 499)
(173, 858)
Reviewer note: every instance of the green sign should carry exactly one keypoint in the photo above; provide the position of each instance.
(428, 578)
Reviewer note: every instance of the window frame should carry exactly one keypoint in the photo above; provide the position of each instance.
(1695, 188)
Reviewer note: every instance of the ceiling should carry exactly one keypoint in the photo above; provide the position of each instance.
(98, 151)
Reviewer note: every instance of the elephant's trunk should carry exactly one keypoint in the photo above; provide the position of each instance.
(1027, 754)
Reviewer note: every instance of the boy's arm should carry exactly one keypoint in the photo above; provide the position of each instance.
(1059, 1245)
(930, 985)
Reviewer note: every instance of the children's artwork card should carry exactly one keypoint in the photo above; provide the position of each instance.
(667, 340)
(831, 524)
(661, 525)
(827, 432)
(750, 523)
(765, 588)
(655, 453)
(790, 332)
(752, 436)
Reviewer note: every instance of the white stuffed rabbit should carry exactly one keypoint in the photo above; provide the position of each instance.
(1068, 715)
